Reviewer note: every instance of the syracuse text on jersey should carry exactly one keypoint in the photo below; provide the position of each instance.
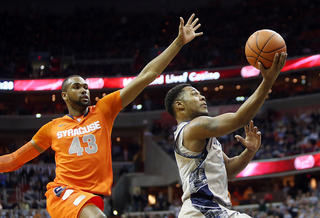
(79, 131)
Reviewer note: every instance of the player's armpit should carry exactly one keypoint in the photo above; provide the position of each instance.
(15, 160)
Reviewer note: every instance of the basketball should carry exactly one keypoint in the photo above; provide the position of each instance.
(262, 45)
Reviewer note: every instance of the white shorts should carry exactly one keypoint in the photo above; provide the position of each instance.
(191, 210)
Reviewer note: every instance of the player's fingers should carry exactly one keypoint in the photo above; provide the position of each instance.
(196, 27)
(255, 129)
(251, 126)
(261, 67)
(199, 34)
(276, 59)
(194, 22)
(246, 128)
(239, 138)
(191, 18)
(181, 22)
(283, 59)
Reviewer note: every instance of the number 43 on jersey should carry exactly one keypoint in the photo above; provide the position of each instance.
(90, 140)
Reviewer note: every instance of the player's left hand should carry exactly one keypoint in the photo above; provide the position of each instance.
(188, 32)
(253, 137)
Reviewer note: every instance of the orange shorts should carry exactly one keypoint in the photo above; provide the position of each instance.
(66, 201)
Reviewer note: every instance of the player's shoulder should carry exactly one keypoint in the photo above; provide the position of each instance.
(200, 120)
(65, 117)
(110, 97)
(109, 100)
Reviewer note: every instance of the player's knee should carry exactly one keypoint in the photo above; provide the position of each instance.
(102, 216)
(92, 211)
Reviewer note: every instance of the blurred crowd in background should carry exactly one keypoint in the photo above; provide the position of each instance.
(130, 41)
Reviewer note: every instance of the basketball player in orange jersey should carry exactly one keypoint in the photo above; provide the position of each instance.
(82, 139)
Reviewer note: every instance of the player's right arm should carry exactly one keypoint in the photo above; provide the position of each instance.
(203, 127)
(29, 151)
(155, 67)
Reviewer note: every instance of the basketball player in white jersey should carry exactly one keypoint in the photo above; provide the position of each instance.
(204, 168)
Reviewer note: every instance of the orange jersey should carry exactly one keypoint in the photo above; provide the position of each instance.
(82, 146)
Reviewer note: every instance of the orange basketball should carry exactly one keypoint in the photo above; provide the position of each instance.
(262, 45)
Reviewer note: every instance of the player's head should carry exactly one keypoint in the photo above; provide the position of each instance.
(75, 92)
(185, 99)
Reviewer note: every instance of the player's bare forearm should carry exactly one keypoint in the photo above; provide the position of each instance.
(186, 34)
(238, 163)
(153, 69)
(251, 107)
(149, 73)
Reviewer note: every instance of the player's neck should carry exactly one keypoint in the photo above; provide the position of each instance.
(76, 113)
(182, 119)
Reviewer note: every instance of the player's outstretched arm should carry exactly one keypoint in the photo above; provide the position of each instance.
(153, 69)
(204, 127)
(252, 142)
(15, 160)
(252, 105)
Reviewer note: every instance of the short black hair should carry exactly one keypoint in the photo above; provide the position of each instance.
(172, 96)
(65, 83)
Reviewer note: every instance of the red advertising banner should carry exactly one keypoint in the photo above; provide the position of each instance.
(279, 166)
(192, 77)
(293, 64)
(37, 84)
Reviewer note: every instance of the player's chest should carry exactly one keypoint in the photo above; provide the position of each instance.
(79, 139)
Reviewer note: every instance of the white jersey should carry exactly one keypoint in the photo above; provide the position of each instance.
(203, 174)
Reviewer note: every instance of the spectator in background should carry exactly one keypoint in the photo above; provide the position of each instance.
(262, 205)
(162, 201)
(144, 198)
(137, 201)
(148, 208)
(34, 204)
(37, 214)
(247, 195)
(236, 197)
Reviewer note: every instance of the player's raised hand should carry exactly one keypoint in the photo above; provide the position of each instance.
(253, 137)
(188, 32)
(272, 73)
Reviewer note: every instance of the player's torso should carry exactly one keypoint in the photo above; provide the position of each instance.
(83, 153)
(204, 173)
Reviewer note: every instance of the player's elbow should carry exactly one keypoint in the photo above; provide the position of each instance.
(231, 176)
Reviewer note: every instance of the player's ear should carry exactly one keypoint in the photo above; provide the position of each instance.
(179, 105)
(64, 96)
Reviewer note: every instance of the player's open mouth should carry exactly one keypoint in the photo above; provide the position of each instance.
(85, 98)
